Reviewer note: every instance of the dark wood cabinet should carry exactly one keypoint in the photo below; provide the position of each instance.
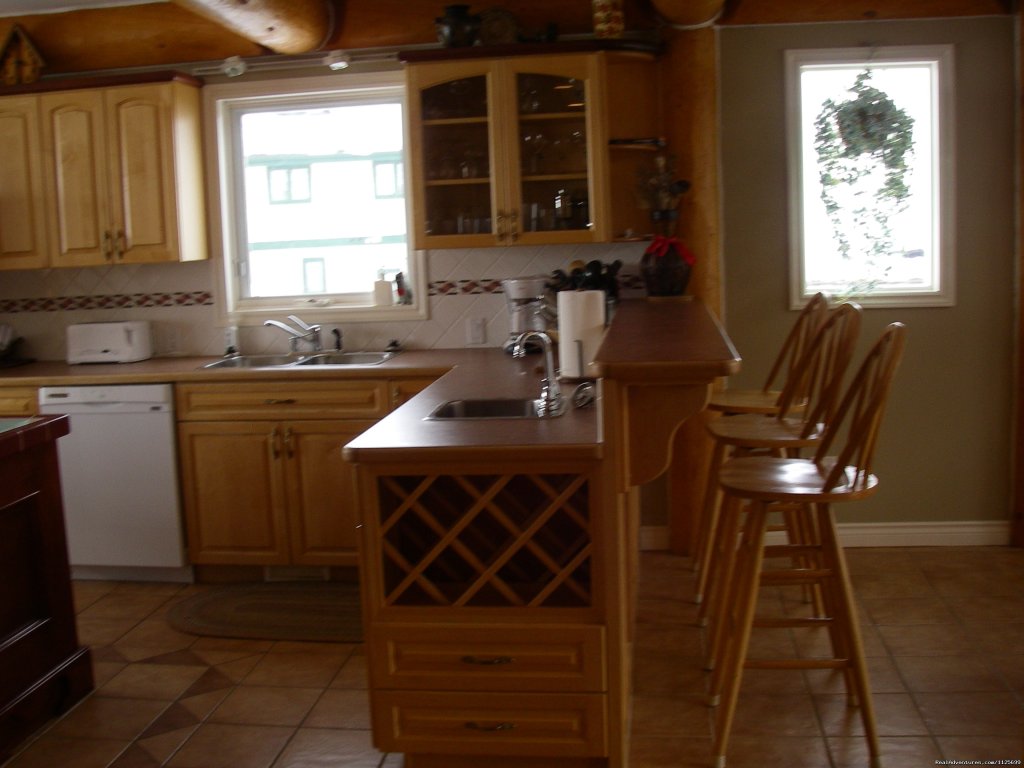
(43, 669)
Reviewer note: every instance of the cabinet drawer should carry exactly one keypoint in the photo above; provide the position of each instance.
(522, 724)
(494, 657)
(18, 401)
(273, 400)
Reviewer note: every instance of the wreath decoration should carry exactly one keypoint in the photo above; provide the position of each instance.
(856, 140)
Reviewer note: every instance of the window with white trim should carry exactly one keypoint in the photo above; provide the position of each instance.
(311, 198)
(871, 174)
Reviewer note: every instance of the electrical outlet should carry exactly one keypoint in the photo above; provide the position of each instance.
(169, 340)
(476, 330)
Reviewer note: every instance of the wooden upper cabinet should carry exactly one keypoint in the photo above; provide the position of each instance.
(501, 151)
(517, 151)
(22, 217)
(124, 181)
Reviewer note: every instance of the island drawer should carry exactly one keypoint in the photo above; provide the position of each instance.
(491, 657)
(520, 724)
(332, 399)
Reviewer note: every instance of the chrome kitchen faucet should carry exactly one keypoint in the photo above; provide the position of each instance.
(551, 402)
(304, 332)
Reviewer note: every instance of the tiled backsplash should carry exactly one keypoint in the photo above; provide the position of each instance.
(179, 300)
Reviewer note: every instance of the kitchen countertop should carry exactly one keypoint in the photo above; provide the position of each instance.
(648, 343)
(407, 431)
(18, 435)
(672, 343)
(462, 373)
(433, 362)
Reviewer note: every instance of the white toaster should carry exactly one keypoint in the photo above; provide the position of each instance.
(121, 342)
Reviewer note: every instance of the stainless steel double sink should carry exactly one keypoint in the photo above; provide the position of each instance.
(319, 359)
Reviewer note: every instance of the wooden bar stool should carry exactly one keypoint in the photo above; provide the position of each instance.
(812, 485)
(766, 399)
(806, 406)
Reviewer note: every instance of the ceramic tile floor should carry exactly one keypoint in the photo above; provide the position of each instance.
(943, 627)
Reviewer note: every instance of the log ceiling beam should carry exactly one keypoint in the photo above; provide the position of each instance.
(283, 26)
(689, 13)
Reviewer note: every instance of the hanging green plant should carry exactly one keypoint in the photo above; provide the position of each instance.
(863, 142)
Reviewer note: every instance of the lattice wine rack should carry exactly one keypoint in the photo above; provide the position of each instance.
(486, 540)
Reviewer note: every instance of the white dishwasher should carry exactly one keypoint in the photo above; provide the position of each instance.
(119, 479)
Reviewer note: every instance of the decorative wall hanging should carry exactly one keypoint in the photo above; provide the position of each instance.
(20, 62)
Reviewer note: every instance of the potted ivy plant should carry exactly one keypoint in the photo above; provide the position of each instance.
(863, 144)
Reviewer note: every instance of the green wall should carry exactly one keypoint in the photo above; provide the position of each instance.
(945, 446)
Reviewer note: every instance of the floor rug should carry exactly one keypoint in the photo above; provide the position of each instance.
(310, 611)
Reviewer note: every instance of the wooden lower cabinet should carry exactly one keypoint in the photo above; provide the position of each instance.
(260, 488)
(269, 493)
(495, 629)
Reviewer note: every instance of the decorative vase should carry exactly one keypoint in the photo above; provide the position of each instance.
(608, 20)
(664, 270)
(458, 27)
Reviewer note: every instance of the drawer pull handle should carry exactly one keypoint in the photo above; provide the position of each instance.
(487, 661)
(491, 728)
(280, 401)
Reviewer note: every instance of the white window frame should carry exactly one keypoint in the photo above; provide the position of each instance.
(224, 190)
(944, 164)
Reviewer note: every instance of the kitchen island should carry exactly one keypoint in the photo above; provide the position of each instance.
(498, 556)
(43, 669)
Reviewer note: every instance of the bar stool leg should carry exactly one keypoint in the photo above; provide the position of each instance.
(739, 616)
(846, 611)
(713, 611)
(708, 523)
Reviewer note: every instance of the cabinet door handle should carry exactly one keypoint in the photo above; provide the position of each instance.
(491, 728)
(280, 401)
(499, 229)
(108, 246)
(120, 244)
(487, 661)
(288, 447)
(275, 452)
(513, 226)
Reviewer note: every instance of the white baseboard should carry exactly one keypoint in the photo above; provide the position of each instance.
(966, 533)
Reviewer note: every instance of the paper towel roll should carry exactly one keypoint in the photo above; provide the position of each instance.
(580, 331)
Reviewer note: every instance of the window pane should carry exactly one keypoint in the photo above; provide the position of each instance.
(869, 197)
(322, 159)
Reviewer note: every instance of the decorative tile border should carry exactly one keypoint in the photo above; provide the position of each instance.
(489, 285)
(112, 301)
(201, 298)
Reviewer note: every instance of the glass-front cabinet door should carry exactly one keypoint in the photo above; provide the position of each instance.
(451, 150)
(502, 151)
(552, 166)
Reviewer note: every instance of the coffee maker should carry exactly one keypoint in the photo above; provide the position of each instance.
(528, 308)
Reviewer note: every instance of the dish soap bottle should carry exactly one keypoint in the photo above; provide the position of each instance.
(382, 291)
